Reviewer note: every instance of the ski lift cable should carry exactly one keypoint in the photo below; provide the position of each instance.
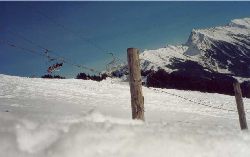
(46, 51)
(97, 46)
(27, 40)
(11, 44)
(114, 63)
(91, 42)
(63, 27)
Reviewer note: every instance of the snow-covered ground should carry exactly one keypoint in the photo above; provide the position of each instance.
(76, 118)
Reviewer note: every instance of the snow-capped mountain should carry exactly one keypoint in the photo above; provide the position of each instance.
(223, 49)
(209, 61)
(163, 57)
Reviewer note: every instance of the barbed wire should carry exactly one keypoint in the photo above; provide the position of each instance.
(199, 103)
(203, 104)
(187, 99)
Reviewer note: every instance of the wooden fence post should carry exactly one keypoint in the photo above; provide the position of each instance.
(135, 82)
(240, 105)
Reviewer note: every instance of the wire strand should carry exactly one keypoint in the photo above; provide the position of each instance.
(187, 99)
(97, 46)
(11, 44)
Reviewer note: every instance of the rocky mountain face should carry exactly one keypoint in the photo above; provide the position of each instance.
(209, 61)
(223, 49)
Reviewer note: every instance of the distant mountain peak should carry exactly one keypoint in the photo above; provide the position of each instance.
(222, 33)
(222, 49)
(209, 61)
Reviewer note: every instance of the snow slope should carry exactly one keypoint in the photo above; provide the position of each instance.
(76, 118)
(155, 59)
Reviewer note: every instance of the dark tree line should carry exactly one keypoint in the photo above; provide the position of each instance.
(212, 83)
(53, 76)
(204, 81)
(84, 76)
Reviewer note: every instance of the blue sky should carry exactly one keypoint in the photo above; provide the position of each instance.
(93, 29)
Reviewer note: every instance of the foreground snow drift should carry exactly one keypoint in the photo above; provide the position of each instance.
(76, 118)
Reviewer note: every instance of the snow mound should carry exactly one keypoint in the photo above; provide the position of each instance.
(32, 137)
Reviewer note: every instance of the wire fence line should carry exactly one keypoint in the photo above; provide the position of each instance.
(188, 99)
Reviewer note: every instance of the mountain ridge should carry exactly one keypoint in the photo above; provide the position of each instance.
(216, 48)
(210, 61)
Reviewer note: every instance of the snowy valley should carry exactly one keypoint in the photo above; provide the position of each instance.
(44, 117)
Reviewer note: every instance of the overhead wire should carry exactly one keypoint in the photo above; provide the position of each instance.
(94, 44)
(27, 40)
(11, 44)
(97, 46)
(77, 34)
(27, 50)
(46, 51)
